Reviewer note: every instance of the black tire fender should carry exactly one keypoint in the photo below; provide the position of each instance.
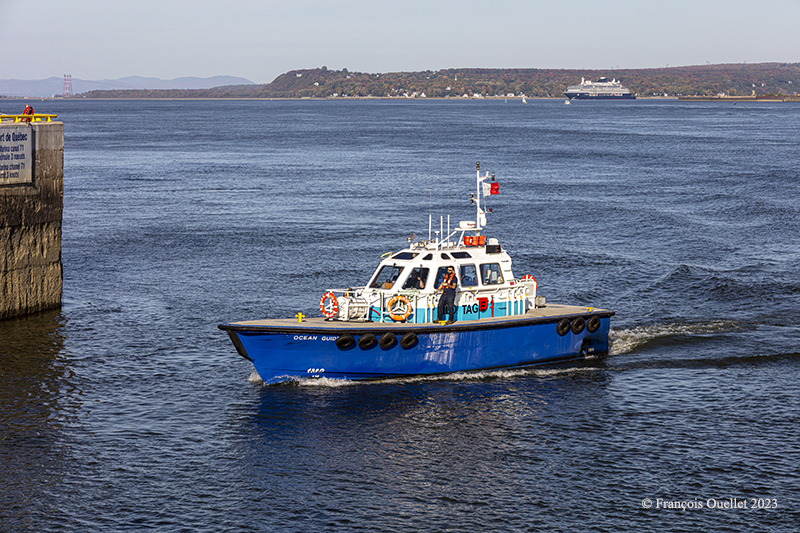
(367, 341)
(409, 340)
(345, 341)
(562, 328)
(593, 324)
(387, 340)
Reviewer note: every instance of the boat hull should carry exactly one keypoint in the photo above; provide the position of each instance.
(280, 351)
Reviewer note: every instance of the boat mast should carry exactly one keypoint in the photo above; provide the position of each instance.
(478, 197)
(480, 216)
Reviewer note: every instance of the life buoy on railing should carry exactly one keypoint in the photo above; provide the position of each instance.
(329, 305)
(528, 277)
(399, 307)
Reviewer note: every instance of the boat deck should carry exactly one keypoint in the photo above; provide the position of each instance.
(549, 313)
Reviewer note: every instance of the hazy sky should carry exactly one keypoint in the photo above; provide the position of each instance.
(260, 39)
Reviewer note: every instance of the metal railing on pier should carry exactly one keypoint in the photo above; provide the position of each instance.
(36, 117)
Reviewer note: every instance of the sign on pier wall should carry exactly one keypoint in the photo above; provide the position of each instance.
(16, 155)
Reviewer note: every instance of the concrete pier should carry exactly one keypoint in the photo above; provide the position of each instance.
(31, 203)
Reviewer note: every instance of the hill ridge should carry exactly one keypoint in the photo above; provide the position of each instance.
(733, 79)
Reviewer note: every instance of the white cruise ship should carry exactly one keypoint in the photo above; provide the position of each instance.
(599, 90)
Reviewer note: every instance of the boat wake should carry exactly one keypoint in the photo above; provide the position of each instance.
(293, 381)
(485, 375)
(578, 366)
(624, 341)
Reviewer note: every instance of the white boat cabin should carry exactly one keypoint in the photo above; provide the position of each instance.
(404, 286)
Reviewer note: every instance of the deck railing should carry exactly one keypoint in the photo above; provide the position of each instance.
(36, 117)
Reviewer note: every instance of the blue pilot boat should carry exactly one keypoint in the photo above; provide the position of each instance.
(388, 328)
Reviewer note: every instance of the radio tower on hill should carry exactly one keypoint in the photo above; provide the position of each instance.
(67, 85)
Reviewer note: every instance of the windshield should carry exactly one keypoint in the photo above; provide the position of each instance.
(469, 276)
(491, 274)
(416, 279)
(386, 277)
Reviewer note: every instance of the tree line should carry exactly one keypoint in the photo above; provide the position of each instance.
(726, 79)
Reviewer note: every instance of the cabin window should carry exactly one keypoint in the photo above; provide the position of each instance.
(416, 279)
(386, 277)
(404, 255)
(440, 274)
(491, 274)
(461, 255)
(469, 276)
(445, 256)
(428, 257)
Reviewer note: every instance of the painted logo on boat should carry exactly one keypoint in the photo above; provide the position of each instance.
(314, 338)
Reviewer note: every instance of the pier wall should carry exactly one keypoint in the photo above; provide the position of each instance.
(30, 224)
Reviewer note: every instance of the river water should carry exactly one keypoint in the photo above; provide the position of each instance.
(129, 410)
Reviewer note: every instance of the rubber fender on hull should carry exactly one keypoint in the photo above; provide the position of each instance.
(367, 341)
(387, 340)
(562, 328)
(409, 340)
(593, 324)
(345, 341)
(578, 324)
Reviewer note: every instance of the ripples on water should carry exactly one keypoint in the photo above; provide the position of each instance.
(129, 410)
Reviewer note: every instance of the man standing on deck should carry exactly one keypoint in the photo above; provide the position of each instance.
(447, 303)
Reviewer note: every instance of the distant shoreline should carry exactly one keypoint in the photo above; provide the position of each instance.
(317, 99)
(764, 80)
(734, 99)
(730, 99)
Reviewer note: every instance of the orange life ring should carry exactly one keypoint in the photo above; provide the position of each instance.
(405, 304)
(527, 277)
(329, 305)
(27, 111)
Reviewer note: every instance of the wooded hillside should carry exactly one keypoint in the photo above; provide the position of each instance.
(729, 79)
